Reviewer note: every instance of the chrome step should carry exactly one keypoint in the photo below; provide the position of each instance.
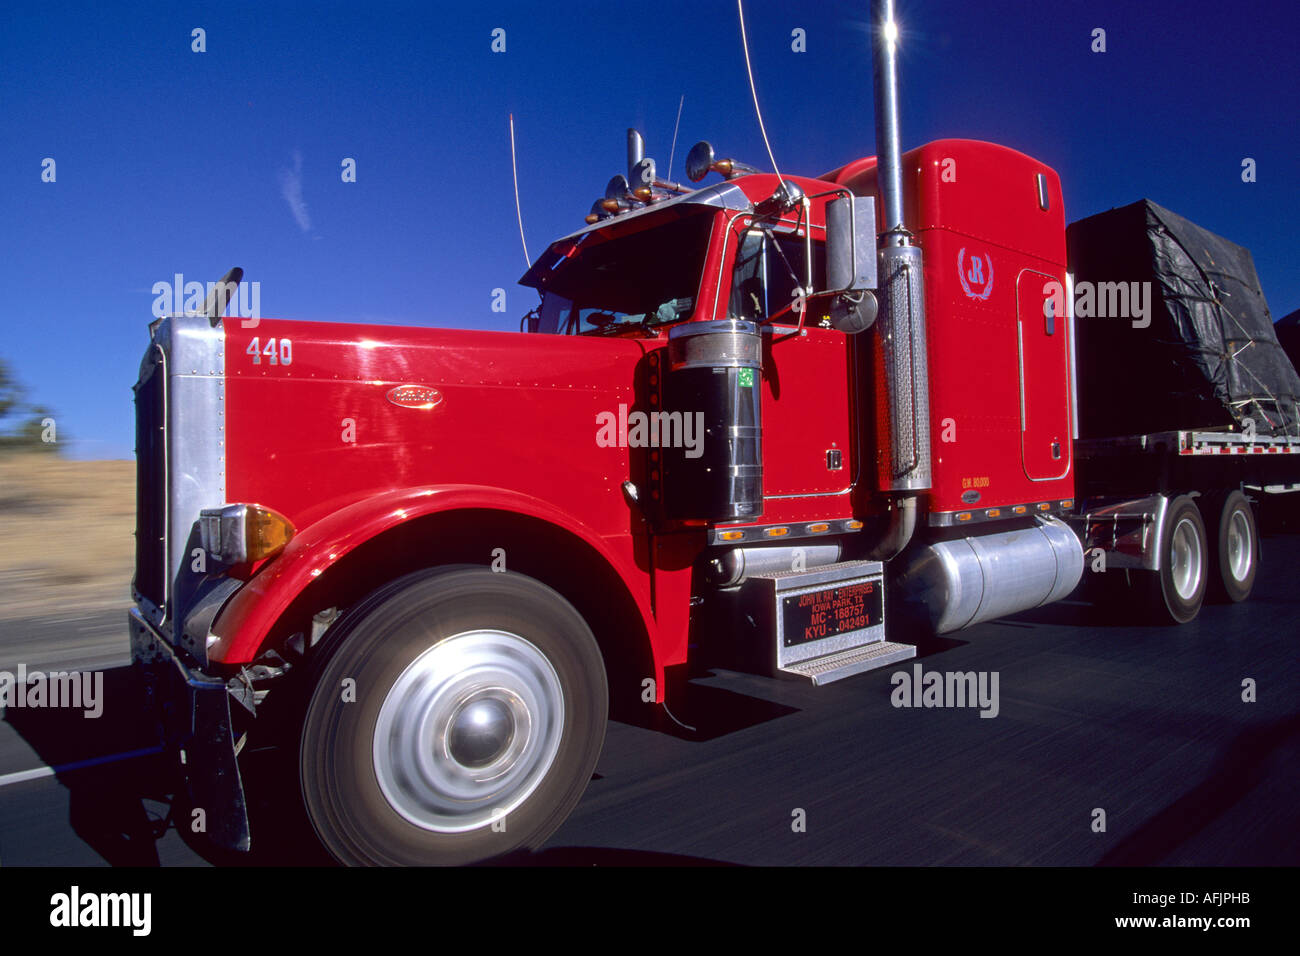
(846, 663)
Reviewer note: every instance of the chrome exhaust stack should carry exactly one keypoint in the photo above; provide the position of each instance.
(902, 369)
(889, 168)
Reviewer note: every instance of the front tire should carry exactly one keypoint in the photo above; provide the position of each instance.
(457, 716)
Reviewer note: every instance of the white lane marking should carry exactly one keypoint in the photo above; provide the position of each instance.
(36, 773)
(23, 775)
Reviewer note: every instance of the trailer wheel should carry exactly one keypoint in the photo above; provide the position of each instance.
(457, 716)
(1176, 591)
(1235, 543)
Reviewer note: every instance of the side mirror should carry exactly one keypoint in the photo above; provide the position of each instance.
(853, 312)
(851, 244)
(851, 262)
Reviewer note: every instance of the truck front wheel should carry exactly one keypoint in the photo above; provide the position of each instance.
(457, 716)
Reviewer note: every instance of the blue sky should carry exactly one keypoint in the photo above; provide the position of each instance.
(171, 161)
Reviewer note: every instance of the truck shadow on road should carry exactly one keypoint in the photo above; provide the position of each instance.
(126, 803)
(1090, 611)
(699, 712)
(109, 764)
(125, 800)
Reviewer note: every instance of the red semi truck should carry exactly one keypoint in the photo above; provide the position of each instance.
(753, 416)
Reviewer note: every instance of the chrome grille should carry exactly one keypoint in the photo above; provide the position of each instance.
(151, 479)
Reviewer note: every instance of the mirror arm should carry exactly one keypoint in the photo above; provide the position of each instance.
(798, 329)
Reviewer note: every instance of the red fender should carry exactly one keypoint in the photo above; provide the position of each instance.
(245, 621)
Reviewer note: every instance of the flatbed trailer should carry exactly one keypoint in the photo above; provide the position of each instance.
(1148, 505)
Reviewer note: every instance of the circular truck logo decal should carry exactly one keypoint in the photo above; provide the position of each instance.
(976, 276)
(415, 396)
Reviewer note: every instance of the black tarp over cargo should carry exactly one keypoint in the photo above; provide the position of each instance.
(1209, 357)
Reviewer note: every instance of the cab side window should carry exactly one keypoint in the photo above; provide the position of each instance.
(770, 270)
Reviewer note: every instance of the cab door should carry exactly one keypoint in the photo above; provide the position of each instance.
(806, 412)
(807, 372)
(1044, 343)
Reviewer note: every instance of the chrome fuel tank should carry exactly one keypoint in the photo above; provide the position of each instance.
(979, 578)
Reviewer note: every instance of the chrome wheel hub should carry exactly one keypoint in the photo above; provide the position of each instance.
(1186, 559)
(468, 730)
(1240, 546)
(481, 730)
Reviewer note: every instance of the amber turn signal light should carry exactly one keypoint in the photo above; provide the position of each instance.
(237, 534)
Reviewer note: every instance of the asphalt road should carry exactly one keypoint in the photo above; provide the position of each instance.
(92, 639)
(1144, 723)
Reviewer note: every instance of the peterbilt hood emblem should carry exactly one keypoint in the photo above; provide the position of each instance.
(415, 396)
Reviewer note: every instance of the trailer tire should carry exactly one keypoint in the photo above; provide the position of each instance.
(1235, 544)
(457, 716)
(1176, 591)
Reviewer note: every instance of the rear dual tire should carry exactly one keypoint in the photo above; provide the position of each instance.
(1234, 541)
(1174, 593)
(1220, 560)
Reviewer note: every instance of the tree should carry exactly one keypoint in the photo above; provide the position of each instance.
(11, 393)
(22, 426)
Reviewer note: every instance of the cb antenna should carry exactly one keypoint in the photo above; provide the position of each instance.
(672, 152)
(514, 171)
(740, 6)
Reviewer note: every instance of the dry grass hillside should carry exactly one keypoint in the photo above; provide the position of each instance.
(66, 534)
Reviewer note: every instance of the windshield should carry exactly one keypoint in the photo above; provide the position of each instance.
(648, 278)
